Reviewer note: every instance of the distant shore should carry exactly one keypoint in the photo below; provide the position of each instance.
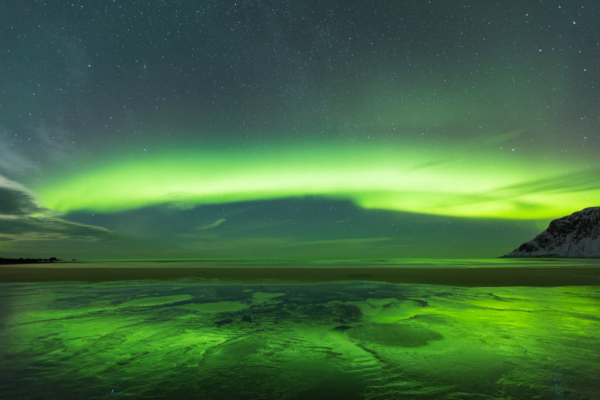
(467, 277)
(12, 261)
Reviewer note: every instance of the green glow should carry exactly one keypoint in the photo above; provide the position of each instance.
(406, 177)
(279, 341)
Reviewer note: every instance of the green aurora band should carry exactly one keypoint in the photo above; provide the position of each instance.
(409, 178)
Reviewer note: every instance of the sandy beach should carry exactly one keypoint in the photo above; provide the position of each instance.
(467, 277)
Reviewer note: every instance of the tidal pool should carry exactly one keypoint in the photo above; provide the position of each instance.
(356, 340)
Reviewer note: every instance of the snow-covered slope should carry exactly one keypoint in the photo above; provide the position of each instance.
(577, 235)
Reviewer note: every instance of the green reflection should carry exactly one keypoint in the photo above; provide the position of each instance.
(350, 340)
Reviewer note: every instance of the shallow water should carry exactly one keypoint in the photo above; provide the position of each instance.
(342, 263)
(356, 340)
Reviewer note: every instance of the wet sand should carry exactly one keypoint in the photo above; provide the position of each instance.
(467, 277)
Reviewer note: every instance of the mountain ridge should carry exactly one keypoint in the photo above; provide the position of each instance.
(574, 236)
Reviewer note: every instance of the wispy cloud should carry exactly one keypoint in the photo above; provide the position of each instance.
(210, 226)
(41, 228)
(22, 219)
(493, 138)
(343, 242)
(573, 182)
(28, 150)
(13, 162)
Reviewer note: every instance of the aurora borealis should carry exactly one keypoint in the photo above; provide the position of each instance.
(303, 130)
(372, 177)
(307, 199)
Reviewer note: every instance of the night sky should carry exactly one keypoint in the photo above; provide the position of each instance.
(294, 129)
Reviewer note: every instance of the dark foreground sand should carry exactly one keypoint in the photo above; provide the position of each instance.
(486, 277)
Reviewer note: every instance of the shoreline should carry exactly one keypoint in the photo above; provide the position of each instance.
(466, 277)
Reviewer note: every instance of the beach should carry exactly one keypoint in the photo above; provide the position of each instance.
(465, 277)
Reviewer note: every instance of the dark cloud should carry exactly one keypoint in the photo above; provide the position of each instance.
(17, 205)
(16, 200)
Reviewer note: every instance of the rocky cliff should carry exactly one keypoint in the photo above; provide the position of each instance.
(576, 235)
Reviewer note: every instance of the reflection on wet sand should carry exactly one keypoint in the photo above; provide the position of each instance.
(345, 340)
